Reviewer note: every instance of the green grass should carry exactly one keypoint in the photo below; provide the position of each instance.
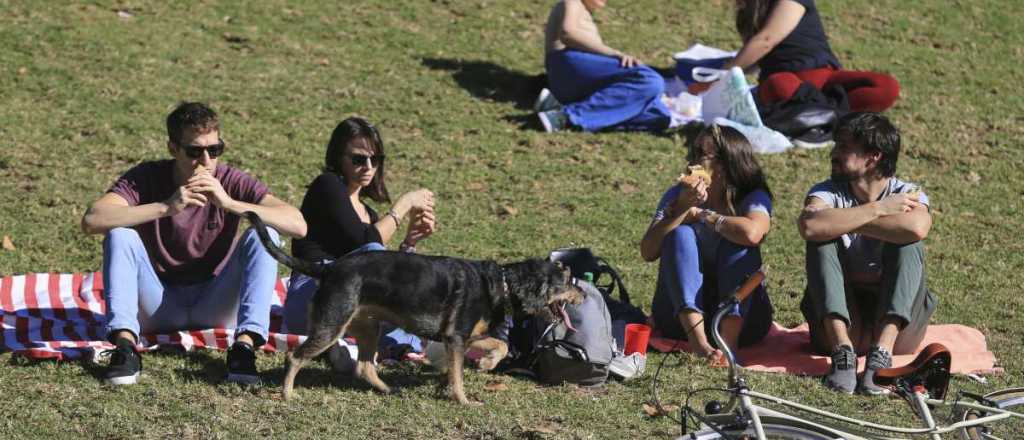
(85, 94)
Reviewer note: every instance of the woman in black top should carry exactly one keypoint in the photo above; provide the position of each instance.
(338, 221)
(787, 41)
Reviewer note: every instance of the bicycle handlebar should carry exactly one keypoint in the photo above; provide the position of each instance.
(741, 294)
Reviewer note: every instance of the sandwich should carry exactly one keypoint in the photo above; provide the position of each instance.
(694, 173)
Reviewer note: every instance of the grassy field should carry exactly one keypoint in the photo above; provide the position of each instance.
(86, 86)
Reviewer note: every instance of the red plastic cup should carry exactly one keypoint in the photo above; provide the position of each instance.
(637, 336)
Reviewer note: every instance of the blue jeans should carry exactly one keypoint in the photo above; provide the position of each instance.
(301, 289)
(238, 298)
(686, 281)
(600, 94)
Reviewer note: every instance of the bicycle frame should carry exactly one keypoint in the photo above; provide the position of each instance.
(748, 411)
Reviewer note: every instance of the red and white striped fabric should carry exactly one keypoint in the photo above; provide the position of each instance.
(60, 316)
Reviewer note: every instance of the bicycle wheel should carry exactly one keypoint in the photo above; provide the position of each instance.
(1010, 428)
(772, 431)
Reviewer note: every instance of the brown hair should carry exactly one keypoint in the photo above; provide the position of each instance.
(190, 116)
(346, 131)
(743, 174)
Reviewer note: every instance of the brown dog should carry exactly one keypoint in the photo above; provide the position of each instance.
(451, 300)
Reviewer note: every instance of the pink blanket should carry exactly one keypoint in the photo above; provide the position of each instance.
(788, 350)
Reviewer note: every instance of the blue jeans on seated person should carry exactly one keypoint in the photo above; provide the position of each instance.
(600, 94)
(238, 298)
(301, 289)
(698, 270)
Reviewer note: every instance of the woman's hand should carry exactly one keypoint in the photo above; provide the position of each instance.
(420, 227)
(692, 194)
(418, 200)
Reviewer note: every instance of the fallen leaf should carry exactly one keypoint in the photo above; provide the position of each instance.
(495, 386)
(626, 188)
(8, 244)
(973, 177)
(507, 211)
(323, 62)
(125, 15)
(22, 71)
(653, 411)
(542, 429)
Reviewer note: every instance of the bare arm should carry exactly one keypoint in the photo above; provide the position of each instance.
(781, 21)
(746, 230)
(274, 212)
(819, 222)
(418, 202)
(903, 228)
(650, 245)
(113, 211)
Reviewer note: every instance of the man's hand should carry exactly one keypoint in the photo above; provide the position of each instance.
(208, 186)
(183, 198)
(897, 204)
(628, 61)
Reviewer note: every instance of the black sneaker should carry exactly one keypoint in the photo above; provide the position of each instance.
(125, 365)
(242, 364)
(878, 358)
(843, 375)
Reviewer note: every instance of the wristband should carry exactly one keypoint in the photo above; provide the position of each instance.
(394, 215)
(719, 222)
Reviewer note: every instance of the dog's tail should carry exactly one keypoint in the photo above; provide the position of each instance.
(314, 270)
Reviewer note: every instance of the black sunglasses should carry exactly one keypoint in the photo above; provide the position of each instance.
(196, 151)
(360, 160)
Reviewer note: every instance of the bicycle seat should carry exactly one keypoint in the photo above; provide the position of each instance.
(930, 369)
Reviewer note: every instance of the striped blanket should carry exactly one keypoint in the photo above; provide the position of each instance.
(60, 316)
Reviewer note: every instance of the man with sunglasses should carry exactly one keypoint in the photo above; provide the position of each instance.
(171, 260)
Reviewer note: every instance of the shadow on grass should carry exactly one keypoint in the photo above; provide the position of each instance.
(318, 374)
(489, 81)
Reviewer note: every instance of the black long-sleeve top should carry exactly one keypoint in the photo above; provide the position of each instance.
(334, 228)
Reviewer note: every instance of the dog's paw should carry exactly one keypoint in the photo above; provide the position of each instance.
(487, 363)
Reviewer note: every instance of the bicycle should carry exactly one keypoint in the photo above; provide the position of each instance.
(923, 383)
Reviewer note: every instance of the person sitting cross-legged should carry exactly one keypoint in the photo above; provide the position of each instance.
(172, 259)
(864, 228)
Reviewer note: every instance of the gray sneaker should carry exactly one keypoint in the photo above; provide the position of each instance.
(843, 375)
(878, 358)
(553, 120)
(546, 101)
(628, 367)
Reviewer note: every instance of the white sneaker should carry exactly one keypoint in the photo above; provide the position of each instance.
(546, 101)
(628, 367)
(553, 120)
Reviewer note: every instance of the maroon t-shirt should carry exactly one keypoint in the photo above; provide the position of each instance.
(194, 245)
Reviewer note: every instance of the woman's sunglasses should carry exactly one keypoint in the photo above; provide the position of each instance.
(362, 160)
(196, 151)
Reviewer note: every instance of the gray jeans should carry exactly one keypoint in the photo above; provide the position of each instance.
(902, 292)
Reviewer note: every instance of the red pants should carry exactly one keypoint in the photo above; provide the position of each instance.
(867, 91)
